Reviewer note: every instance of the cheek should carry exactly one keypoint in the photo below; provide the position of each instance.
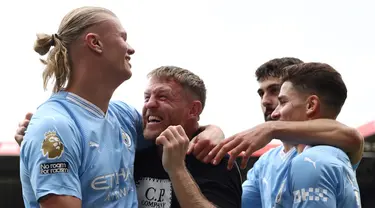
(177, 115)
(263, 108)
(292, 113)
(144, 109)
(117, 50)
(286, 112)
(124, 47)
(143, 114)
(275, 102)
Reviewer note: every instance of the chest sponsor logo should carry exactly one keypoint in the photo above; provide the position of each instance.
(154, 193)
(52, 147)
(116, 185)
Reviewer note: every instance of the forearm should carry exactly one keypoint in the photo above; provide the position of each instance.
(319, 131)
(214, 130)
(187, 191)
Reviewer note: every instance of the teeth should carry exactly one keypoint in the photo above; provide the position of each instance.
(154, 119)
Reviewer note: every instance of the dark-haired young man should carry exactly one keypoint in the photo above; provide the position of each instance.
(266, 176)
(320, 176)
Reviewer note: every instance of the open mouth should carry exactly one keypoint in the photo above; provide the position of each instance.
(127, 60)
(154, 119)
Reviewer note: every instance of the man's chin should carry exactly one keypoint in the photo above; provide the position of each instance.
(151, 136)
(128, 74)
(269, 119)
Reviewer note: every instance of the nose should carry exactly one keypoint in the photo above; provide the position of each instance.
(131, 50)
(151, 103)
(266, 100)
(275, 115)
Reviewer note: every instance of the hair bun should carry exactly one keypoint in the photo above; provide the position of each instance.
(43, 43)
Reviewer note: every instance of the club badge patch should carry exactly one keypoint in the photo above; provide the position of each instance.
(52, 147)
(280, 193)
(126, 139)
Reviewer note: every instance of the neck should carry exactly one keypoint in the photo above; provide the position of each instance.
(98, 97)
(287, 146)
(193, 131)
(90, 85)
(300, 148)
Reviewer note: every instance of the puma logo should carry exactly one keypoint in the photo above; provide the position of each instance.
(310, 161)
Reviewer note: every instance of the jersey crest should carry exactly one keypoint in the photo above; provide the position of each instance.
(126, 138)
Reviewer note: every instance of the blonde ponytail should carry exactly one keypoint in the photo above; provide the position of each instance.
(71, 27)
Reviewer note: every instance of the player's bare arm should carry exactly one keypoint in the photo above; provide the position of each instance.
(313, 132)
(57, 201)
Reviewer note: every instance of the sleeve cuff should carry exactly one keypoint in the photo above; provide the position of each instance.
(57, 191)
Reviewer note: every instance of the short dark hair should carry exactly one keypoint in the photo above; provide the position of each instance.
(274, 67)
(320, 79)
(186, 78)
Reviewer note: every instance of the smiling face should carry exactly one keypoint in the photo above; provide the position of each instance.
(310, 91)
(165, 104)
(292, 106)
(117, 50)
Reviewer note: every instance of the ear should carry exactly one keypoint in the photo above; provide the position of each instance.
(195, 109)
(93, 42)
(312, 106)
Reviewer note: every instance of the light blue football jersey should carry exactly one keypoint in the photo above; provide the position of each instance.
(264, 179)
(321, 176)
(72, 148)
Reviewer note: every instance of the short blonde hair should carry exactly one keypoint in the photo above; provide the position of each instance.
(186, 78)
(58, 63)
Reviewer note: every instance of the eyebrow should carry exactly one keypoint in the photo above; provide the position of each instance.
(269, 86)
(124, 34)
(274, 85)
(159, 90)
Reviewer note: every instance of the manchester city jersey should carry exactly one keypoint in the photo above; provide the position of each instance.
(321, 176)
(73, 148)
(264, 179)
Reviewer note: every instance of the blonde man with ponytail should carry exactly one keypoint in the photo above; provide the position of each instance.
(79, 147)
